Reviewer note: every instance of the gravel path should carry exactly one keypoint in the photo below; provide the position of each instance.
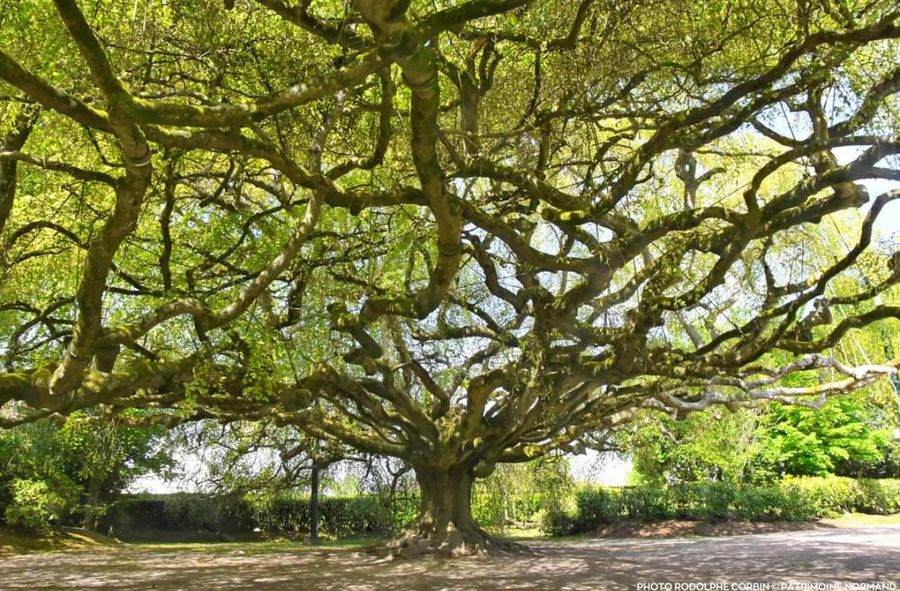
(858, 559)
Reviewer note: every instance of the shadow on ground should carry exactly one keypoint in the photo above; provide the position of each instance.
(844, 557)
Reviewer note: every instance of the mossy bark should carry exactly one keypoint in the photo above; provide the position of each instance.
(445, 525)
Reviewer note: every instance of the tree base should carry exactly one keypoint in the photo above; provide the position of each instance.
(453, 543)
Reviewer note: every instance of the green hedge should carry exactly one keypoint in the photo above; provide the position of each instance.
(794, 499)
(833, 496)
(338, 516)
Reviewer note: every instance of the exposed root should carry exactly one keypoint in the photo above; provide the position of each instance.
(453, 543)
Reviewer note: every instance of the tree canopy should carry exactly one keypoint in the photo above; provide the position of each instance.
(455, 233)
(847, 437)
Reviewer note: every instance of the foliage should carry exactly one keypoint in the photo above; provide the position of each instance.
(794, 499)
(459, 234)
(520, 494)
(77, 468)
(34, 505)
(338, 516)
(840, 435)
(596, 506)
(194, 511)
(713, 445)
(848, 436)
(515, 495)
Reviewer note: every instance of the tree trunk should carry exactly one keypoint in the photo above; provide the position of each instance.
(314, 505)
(445, 526)
(91, 518)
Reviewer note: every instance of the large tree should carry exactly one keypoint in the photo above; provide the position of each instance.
(455, 233)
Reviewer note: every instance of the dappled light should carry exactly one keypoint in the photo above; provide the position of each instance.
(377, 269)
(839, 556)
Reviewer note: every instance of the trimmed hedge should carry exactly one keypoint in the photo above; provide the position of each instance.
(338, 516)
(179, 511)
(794, 499)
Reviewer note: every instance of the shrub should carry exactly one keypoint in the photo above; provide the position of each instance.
(338, 516)
(596, 506)
(35, 505)
(794, 499)
(403, 511)
(352, 515)
(765, 503)
(711, 501)
(556, 522)
(645, 503)
(193, 511)
(827, 496)
(881, 497)
(795, 504)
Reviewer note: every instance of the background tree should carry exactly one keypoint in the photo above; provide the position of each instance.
(848, 436)
(261, 462)
(51, 473)
(456, 234)
(710, 445)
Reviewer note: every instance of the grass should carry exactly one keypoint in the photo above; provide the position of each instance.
(261, 547)
(863, 519)
(16, 541)
(511, 533)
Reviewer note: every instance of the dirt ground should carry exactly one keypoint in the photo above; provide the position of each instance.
(679, 528)
(843, 557)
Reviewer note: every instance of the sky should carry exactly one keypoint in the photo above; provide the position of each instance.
(606, 468)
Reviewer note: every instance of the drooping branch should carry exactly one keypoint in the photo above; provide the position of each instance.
(514, 249)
